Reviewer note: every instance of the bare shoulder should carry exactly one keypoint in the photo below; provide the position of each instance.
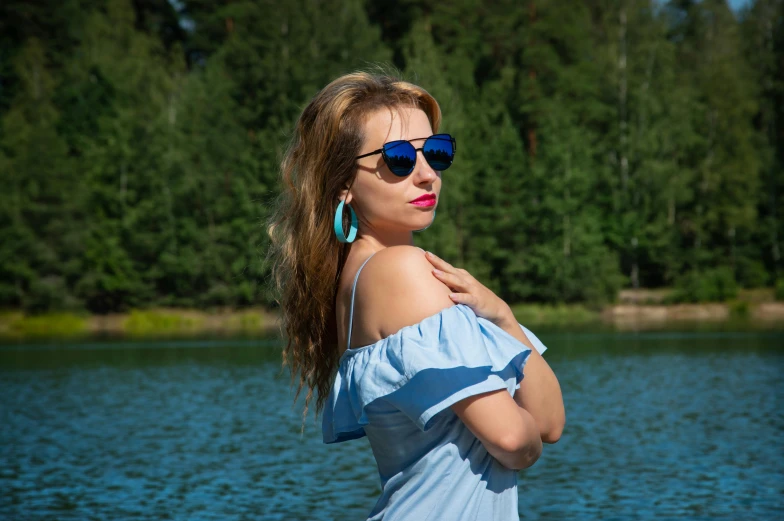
(399, 289)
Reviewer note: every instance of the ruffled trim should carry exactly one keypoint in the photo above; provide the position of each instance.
(423, 369)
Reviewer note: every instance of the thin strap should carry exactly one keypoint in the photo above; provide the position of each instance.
(353, 290)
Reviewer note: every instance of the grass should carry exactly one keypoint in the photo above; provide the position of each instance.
(555, 315)
(137, 323)
(245, 321)
(739, 308)
(17, 324)
(161, 322)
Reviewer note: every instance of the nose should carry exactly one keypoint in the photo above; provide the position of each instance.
(424, 172)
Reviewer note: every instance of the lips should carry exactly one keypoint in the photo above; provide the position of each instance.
(424, 198)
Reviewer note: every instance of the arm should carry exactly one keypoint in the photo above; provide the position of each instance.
(509, 433)
(400, 289)
(539, 392)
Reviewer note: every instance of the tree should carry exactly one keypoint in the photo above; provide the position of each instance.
(37, 228)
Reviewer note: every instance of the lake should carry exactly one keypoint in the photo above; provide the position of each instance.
(659, 425)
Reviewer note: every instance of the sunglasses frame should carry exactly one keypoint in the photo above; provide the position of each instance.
(438, 137)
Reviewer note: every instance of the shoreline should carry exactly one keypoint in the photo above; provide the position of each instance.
(762, 314)
(148, 323)
(640, 317)
(166, 322)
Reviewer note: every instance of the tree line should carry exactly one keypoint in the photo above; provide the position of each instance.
(602, 145)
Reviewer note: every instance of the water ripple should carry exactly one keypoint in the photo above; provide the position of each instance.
(659, 433)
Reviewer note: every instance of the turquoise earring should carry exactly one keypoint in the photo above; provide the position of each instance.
(428, 226)
(338, 224)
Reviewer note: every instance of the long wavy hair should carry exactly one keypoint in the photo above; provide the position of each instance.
(305, 257)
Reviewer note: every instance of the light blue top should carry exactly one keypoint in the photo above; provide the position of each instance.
(397, 392)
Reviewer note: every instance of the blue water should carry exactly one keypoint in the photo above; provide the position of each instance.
(659, 426)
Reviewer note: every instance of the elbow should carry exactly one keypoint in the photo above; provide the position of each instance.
(518, 453)
(553, 434)
(552, 430)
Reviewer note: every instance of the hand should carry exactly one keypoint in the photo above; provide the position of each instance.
(469, 291)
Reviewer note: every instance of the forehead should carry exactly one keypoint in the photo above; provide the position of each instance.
(391, 123)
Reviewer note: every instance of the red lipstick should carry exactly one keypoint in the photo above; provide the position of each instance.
(424, 200)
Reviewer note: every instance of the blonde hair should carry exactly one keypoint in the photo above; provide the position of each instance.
(305, 256)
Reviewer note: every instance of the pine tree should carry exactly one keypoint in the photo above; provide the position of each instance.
(763, 38)
(125, 202)
(561, 111)
(722, 212)
(37, 212)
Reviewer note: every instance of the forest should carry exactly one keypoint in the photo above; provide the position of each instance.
(602, 145)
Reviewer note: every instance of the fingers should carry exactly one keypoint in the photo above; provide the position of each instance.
(440, 263)
(463, 298)
(453, 281)
(456, 279)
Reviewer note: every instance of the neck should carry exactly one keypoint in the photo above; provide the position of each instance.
(378, 240)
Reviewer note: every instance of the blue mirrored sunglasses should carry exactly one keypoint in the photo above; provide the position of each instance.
(400, 156)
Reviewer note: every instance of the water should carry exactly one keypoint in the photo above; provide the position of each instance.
(659, 425)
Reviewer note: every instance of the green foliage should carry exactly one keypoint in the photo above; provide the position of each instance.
(246, 321)
(713, 285)
(600, 145)
(56, 325)
(145, 322)
(739, 309)
(779, 293)
(751, 273)
(555, 315)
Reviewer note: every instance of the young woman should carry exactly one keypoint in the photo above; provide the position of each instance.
(415, 354)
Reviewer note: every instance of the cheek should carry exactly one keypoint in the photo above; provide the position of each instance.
(384, 202)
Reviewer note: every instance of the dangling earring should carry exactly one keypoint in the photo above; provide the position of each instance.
(338, 224)
(428, 226)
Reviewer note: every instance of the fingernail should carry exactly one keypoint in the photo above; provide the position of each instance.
(438, 272)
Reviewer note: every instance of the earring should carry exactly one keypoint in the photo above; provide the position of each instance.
(428, 226)
(338, 224)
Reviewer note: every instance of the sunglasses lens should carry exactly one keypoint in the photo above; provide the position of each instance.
(439, 151)
(400, 157)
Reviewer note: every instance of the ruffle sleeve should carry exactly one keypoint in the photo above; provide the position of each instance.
(423, 369)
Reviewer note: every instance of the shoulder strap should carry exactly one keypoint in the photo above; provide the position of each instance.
(353, 291)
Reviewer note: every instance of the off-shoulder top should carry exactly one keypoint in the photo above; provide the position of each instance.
(397, 392)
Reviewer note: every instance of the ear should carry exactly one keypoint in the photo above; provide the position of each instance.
(345, 195)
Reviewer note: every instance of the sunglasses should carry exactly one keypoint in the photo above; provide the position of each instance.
(400, 156)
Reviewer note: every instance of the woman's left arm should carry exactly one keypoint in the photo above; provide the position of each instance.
(539, 392)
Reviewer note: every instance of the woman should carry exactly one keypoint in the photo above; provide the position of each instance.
(415, 354)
